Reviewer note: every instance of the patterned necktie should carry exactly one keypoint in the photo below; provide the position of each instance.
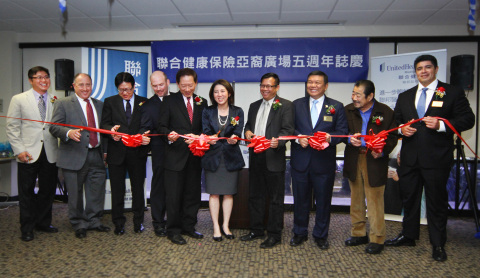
(128, 111)
(189, 110)
(314, 113)
(262, 122)
(42, 108)
(421, 103)
(91, 123)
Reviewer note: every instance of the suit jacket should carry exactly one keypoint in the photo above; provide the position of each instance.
(174, 117)
(319, 161)
(114, 114)
(72, 155)
(279, 123)
(232, 156)
(149, 121)
(376, 168)
(27, 135)
(430, 148)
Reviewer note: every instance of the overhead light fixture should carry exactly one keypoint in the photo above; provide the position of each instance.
(260, 25)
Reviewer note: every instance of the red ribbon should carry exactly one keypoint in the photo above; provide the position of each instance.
(132, 140)
(376, 142)
(318, 141)
(259, 144)
(200, 144)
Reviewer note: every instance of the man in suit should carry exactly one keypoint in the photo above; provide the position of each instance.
(365, 169)
(271, 117)
(150, 117)
(427, 152)
(80, 156)
(312, 168)
(122, 113)
(36, 152)
(181, 114)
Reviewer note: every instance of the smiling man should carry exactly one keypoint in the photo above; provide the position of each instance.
(427, 152)
(311, 168)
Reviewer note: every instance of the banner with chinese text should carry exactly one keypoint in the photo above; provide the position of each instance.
(342, 59)
(104, 64)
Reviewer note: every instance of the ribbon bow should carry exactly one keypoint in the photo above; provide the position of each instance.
(199, 145)
(132, 140)
(318, 141)
(376, 142)
(259, 144)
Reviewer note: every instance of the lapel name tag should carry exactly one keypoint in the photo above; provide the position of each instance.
(327, 118)
(437, 103)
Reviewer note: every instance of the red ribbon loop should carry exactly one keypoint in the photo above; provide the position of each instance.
(199, 145)
(318, 141)
(376, 142)
(132, 140)
(259, 144)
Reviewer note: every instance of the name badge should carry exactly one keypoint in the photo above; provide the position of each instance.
(327, 118)
(437, 103)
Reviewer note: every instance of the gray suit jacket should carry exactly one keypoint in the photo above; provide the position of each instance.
(72, 155)
(27, 135)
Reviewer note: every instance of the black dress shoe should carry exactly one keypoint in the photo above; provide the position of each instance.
(193, 234)
(270, 242)
(47, 229)
(439, 254)
(177, 239)
(297, 240)
(356, 240)
(119, 230)
(161, 232)
(251, 236)
(81, 233)
(400, 240)
(217, 238)
(138, 228)
(102, 228)
(322, 243)
(229, 236)
(27, 236)
(374, 248)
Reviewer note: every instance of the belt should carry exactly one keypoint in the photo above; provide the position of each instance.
(362, 150)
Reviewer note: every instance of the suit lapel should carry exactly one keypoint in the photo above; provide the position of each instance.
(78, 110)
(181, 105)
(49, 108)
(306, 111)
(272, 113)
(32, 102)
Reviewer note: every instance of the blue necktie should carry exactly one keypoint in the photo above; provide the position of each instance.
(128, 111)
(421, 103)
(314, 113)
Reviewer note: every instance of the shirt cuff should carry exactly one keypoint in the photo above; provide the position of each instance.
(442, 126)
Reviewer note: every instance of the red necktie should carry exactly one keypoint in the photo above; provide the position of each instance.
(91, 123)
(190, 110)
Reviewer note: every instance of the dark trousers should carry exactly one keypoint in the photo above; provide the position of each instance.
(136, 168)
(157, 189)
(183, 194)
(36, 209)
(322, 185)
(263, 184)
(412, 180)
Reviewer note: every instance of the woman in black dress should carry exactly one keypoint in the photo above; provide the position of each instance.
(223, 161)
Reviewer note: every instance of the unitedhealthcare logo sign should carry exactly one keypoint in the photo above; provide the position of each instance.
(382, 67)
(403, 67)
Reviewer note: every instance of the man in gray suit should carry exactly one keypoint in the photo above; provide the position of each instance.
(36, 152)
(80, 156)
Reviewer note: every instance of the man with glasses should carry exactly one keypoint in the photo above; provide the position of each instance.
(271, 117)
(181, 113)
(311, 168)
(80, 156)
(122, 113)
(36, 152)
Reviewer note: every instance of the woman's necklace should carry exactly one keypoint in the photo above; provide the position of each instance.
(220, 119)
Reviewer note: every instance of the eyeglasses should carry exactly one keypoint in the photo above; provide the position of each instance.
(125, 90)
(267, 86)
(311, 83)
(46, 77)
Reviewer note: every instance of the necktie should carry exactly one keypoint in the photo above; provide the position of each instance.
(91, 123)
(189, 110)
(128, 111)
(421, 103)
(262, 122)
(42, 108)
(314, 113)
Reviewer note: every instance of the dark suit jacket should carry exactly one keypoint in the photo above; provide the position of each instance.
(114, 114)
(376, 168)
(430, 148)
(232, 156)
(319, 161)
(174, 117)
(71, 154)
(279, 123)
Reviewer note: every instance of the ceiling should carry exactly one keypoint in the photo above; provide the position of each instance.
(43, 16)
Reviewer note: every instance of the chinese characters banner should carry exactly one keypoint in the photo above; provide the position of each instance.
(104, 64)
(395, 74)
(343, 59)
